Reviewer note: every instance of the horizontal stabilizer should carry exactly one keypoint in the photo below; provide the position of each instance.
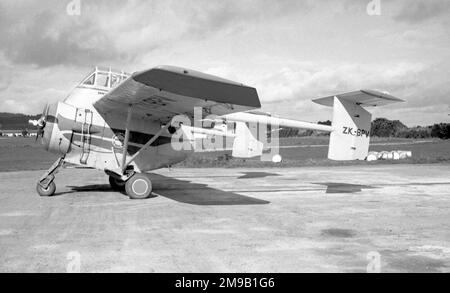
(369, 98)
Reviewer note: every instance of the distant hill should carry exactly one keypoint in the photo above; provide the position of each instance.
(9, 121)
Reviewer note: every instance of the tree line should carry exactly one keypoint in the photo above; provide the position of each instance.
(382, 127)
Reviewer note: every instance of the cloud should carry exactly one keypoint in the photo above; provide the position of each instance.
(420, 11)
(291, 51)
(48, 37)
(120, 31)
(5, 81)
(421, 86)
(310, 80)
(214, 15)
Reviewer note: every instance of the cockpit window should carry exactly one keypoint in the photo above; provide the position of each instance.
(115, 79)
(102, 79)
(89, 80)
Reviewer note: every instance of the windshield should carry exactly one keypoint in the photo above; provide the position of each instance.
(104, 78)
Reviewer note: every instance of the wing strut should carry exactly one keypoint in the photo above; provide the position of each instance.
(158, 134)
(126, 163)
(127, 138)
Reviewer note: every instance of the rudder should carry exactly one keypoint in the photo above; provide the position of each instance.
(350, 137)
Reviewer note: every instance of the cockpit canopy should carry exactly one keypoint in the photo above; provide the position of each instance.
(104, 78)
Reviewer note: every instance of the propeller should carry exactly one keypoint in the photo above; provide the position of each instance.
(40, 123)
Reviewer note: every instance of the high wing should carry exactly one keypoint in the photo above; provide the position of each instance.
(163, 92)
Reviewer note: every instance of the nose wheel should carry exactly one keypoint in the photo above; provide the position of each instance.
(49, 191)
(138, 186)
(46, 185)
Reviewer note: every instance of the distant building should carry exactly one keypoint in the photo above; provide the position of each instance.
(17, 133)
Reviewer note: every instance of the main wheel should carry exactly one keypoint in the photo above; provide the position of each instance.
(138, 186)
(116, 184)
(49, 191)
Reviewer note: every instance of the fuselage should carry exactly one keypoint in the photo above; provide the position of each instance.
(76, 130)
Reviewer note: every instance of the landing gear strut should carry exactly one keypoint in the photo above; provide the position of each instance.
(137, 185)
(45, 185)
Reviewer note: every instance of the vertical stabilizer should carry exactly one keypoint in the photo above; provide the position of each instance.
(350, 137)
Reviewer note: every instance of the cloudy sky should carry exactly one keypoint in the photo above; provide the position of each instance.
(290, 50)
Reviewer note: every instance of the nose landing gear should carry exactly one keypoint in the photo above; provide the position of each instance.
(49, 191)
(45, 185)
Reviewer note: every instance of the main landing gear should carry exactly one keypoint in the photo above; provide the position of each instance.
(116, 184)
(137, 186)
(46, 185)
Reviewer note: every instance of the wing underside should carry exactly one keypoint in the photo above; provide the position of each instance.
(163, 92)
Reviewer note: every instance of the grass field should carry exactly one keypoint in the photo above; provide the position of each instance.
(312, 151)
(26, 154)
(18, 153)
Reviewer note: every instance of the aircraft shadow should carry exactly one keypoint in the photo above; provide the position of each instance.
(335, 187)
(86, 188)
(198, 194)
(183, 191)
(250, 175)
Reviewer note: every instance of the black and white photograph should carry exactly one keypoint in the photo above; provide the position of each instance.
(218, 137)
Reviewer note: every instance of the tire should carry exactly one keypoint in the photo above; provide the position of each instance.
(138, 186)
(49, 191)
(116, 184)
